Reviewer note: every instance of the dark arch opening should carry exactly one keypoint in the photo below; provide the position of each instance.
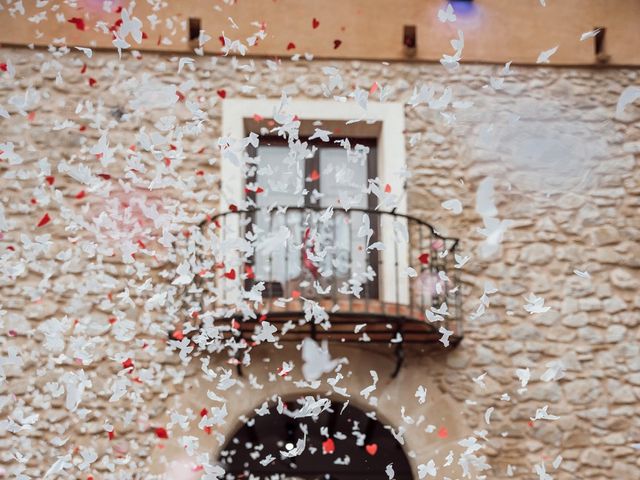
(361, 446)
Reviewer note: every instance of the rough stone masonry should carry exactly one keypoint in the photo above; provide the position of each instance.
(567, 178)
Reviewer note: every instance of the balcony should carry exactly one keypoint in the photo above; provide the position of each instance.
(345, 276)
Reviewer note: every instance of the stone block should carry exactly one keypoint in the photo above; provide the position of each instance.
(622, 278)
(614, 305)
(582, 392)
(577, 320)
(605, 235)
(537, 254)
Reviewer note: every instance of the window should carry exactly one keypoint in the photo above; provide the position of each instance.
(307, 178)
(384, 122)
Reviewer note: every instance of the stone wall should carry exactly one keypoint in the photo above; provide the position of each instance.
(74, 308)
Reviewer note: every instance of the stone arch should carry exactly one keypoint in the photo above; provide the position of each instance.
(339, 441)
(440, 410)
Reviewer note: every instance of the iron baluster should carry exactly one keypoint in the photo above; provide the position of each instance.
(412, 284)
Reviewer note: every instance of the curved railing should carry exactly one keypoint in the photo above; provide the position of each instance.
(357, 275)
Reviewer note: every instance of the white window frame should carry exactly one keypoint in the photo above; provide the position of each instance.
(391, 159)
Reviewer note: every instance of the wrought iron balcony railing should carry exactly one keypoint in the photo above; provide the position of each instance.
(348, 276)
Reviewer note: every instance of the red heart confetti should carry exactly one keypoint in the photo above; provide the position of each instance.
(443, 432)
(161, 433)
(328, 446)
(424, 258)
(336, 44)
(371, 449)
(291, 46)
(315, 23)
(222, 93)
(92, 81)
(231, 274)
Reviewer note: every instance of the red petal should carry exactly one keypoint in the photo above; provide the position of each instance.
(44, 220)
(314, 175)
(291, 46)
(128, 363)
(249, 271)
(222, 93)
(161, 433)
(336, 44)
(50, 179)
(315, 23)
(178, 335)
(78, 22)
(424, 258)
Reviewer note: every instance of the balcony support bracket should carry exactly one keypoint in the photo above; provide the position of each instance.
(399, 354)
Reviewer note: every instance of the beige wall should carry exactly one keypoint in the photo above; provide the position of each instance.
(573, 205)
(496, 31)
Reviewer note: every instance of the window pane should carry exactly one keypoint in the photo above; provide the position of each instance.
(343, 182)
(343, 178)
(282, 178)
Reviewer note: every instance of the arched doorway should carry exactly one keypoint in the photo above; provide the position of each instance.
(342, 443)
